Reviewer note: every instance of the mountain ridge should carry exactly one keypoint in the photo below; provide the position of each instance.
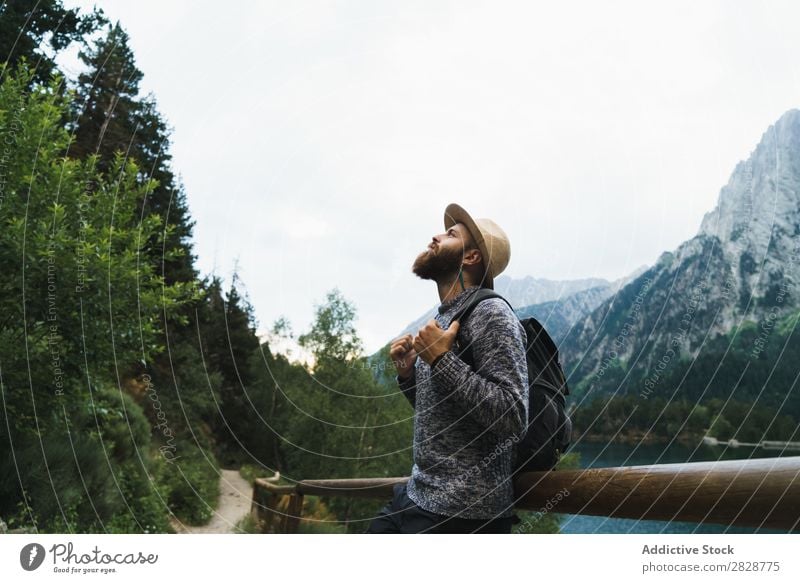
(740, 267)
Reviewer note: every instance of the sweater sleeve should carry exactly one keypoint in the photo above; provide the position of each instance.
(496, 392)
(409, 388)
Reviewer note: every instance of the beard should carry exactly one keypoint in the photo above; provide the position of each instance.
(438, 266)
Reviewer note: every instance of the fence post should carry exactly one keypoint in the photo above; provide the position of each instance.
(294, 512)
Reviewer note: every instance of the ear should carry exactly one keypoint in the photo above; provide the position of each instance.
(472, 257)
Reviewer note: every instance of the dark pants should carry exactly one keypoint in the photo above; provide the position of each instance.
(403, 516)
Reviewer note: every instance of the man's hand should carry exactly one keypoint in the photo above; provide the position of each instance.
(432, 341)
(403, 355)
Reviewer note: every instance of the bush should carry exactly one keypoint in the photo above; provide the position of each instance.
(250, 472)
(247, 525)
(92, 475)
(192, 483)
(70, 233)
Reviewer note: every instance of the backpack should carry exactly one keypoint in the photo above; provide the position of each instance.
(549, 426)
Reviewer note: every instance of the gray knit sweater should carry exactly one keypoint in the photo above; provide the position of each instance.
(467, 420)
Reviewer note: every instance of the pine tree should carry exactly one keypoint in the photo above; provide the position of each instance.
(29, 30)
(232, 347)
(110, 116)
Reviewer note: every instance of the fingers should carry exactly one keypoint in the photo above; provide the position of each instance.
(397, 353)
(402, 347)
(432, 339)
(403, 340)
(402, 354)
(431, 334)
(402, 344)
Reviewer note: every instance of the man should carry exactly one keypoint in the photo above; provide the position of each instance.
(467, 419)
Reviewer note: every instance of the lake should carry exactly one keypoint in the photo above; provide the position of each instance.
(597, 455)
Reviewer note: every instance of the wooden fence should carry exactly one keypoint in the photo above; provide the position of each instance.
(763, 493)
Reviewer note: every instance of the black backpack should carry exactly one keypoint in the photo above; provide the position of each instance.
(549, 426)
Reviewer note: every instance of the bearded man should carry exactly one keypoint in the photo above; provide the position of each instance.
(467, 417)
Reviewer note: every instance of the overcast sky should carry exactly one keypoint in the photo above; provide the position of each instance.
(319, 142)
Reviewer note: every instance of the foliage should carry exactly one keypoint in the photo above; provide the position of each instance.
(318, 518)
(77, 304)
(110, 118)
(333, 336)
(333, 419)
(657, 418)
(92, 474)
(753, 363)
(250, 472)
(34, 31)
(231, 347)
(192, 482)
(247, 525)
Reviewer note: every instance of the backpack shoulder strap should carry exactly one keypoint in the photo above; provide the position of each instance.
(463, 313)
(480, 295)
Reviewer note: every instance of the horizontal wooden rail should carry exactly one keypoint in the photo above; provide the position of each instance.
(762, 493)
(757, 492)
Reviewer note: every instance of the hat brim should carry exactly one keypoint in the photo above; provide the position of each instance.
(456, 214)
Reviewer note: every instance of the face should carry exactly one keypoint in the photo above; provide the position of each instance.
(445, 254)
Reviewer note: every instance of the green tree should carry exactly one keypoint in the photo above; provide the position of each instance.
(721, 428)
(333, 336)
(77, 306)
(231, 346)
(109, 117)
(36, 31)
(338, 420)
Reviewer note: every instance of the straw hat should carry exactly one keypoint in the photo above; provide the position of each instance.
(491, 240)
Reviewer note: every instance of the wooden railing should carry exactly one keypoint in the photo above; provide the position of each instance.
(763, 493)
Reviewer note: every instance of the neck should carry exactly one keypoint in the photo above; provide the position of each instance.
(451, 287)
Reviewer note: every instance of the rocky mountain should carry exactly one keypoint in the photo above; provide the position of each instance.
(534, 290)
(561, 303)
(560, 315)
(740, 268)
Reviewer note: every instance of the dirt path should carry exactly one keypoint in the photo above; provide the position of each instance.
(235, 497)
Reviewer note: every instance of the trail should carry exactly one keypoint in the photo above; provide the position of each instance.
(235, 496)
